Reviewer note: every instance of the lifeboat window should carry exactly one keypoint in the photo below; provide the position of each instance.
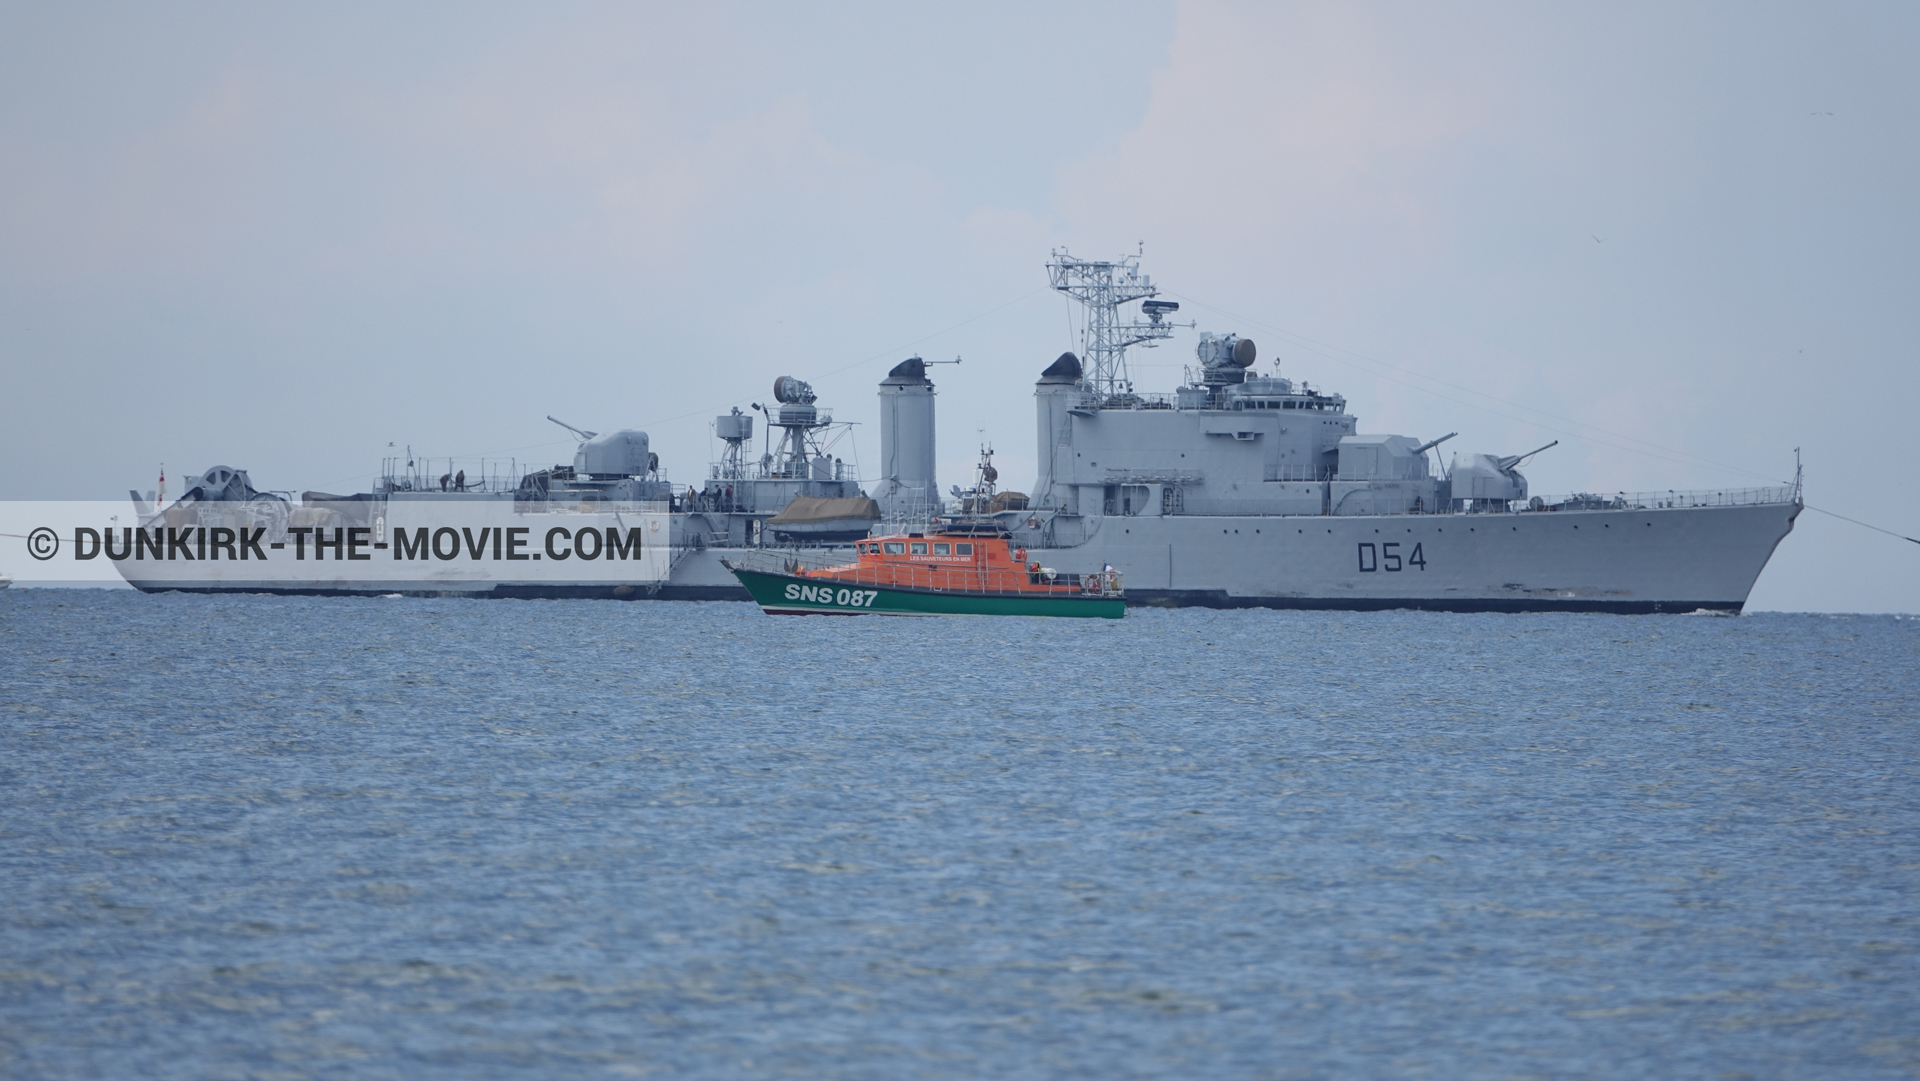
(941, 548)
(963, 549)
(919, 548)
(895, 548)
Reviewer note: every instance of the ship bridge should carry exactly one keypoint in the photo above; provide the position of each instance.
(1272, 392)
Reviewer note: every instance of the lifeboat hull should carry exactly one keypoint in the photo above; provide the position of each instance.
(791, 595)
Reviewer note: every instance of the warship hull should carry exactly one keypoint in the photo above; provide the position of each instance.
(1625, 561)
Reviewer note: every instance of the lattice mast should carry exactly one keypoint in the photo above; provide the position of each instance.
(1102, 288)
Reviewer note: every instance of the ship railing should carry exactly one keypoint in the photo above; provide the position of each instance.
(1308, 473)
(836, 469)
(908, 509)
(1132, 401)
(422, 474)
(970, 579)
(1156, 476)
(1668, 500)
(1413, 470)
(608, 506)
(464, 475)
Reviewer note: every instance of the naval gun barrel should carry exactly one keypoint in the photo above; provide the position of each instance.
(582, 433)
(1509, 463)
(1425, 447)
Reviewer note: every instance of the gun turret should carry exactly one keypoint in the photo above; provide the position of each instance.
(1489, 479)
(1425, 447)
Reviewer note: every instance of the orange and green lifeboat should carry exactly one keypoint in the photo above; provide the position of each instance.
(930, 574)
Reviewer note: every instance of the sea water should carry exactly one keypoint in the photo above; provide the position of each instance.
(259, 837)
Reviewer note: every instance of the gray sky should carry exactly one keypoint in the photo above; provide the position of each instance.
(1683, 239)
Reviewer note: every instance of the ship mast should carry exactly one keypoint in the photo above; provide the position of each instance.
(1102, 287)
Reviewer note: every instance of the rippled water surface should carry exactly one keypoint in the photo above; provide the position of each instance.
(275, 837)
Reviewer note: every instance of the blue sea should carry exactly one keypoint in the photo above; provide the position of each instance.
(259, 837)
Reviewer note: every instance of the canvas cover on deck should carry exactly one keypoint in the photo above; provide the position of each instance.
(808, 510)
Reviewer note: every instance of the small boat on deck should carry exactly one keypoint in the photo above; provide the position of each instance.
(958, 569)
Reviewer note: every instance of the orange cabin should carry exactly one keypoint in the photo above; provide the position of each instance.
(949, 562)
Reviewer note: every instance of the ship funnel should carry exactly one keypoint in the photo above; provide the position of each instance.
(908, 370)
(1056, 391)
(907, 486)
(1064, 369)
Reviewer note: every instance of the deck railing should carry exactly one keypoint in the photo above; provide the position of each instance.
(1153, 400)
(1668, 500)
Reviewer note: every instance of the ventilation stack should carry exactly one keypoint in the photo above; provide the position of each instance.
(1057, 391)
(907, 488)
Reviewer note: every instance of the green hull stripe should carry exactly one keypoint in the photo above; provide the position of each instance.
(770, 592)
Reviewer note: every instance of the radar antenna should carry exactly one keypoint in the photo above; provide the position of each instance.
(798, 418)
(1102, 287)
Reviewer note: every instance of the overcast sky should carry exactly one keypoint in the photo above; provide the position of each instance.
(1682, 239)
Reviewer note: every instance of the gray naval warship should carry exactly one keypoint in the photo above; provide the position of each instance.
(1237, 489)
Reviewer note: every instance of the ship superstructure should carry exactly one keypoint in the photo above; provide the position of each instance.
(1245, 488)
(610, 524)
